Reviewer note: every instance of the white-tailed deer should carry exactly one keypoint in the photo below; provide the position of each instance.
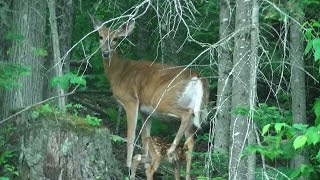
(158, 152)
(153, 88)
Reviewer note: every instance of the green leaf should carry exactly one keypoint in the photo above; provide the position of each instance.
(265, 129)
(318, 156)
(316, 109)
(301, 127)
(35, 114)
(316, 24)
(39, 52)
(316, 44)
(278, 126)
(300, 141)
(308, 33)
(295, 174)
(64, 82)
(46, 109)
(55, 81)
(316, 55)
(313, 135)
(78, 80)
(4, 178)
(93, 121)
(308, 47)
(116, 138)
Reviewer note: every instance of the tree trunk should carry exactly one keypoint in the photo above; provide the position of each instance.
(143, 38)
(65, 148)
(241, 87)
(65, 12)
(298, 88)
(222, 122)
(29, 20)
(57, 63)
(253, 85)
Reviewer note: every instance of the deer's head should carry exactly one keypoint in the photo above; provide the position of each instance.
(108, 37)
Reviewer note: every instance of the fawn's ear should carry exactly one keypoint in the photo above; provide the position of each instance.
(126, 29)
(96, 22)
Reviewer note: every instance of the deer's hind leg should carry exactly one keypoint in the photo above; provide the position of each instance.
(190, 145)
(186, 121)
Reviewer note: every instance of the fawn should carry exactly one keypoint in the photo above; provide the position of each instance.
(157, 150)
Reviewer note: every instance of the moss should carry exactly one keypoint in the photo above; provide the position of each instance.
(59, 119)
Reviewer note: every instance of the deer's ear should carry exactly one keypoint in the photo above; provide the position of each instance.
(126, 29)
(96, 22)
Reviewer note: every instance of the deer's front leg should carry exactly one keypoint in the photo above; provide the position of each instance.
(185, 122)
(146, 128)
(132, 116)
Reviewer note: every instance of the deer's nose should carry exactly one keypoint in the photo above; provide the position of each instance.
(105, 54)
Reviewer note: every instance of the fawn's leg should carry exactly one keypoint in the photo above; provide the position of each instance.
(177, 170)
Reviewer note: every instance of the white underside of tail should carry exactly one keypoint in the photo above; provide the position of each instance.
(192, 98)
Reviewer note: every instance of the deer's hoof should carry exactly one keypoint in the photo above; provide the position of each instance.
(172, 157)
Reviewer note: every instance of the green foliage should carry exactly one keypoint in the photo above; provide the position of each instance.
(264, 114)
(282, 140)
(300, 141)
(74, 108)
(7, 155)
(71, 78)
(312, 36)
(10, 73)
(93, 121)
(117, 139)
(4, 162)
(316, 109)
(39, 52)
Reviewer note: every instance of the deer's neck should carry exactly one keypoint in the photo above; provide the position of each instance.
(113, 66)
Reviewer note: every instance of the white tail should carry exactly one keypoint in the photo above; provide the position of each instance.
(157, 150)
(153, 88)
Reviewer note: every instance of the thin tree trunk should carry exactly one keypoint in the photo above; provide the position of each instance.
(298, 88)
(222, 122)
(56, 52)
(253, 85)
(143, 38)
(29, 20)
(241, 87)
(65, 10)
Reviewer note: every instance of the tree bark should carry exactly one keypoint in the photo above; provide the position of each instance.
(66, 148)
(253, 85)
(222, 122)
(65, 10)
(239, 128)
(298, 88)
(29, 20)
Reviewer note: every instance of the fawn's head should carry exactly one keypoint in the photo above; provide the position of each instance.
(108, 37)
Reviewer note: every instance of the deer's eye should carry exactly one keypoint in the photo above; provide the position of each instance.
(115, 39)
(100, 37)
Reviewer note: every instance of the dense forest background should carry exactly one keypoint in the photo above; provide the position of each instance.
(261, 58)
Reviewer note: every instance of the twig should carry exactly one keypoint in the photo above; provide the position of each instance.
(90, 106)
(33, 105)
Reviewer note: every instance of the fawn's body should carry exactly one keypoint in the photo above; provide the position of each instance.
(157, 152)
